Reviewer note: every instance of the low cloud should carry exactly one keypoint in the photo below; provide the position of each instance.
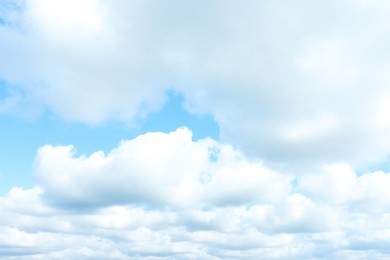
(163, 195)
(306, 82)
(157, 170)
(300, 93)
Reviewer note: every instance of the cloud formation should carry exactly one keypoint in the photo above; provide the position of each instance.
(166, 196)
(159, 170)
(306, 82)
(299, 90)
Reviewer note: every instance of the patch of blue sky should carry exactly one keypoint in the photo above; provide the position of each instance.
(214, 153)
(3, 87)
(383, 165)
(173, 116)
(4, 8)
(20, 139)
(9, 10)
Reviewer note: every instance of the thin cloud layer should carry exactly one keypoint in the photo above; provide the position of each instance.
(191, 200)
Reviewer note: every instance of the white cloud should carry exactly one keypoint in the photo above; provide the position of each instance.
(301, 87)
(296, 214)
(160, 170)
(339, 184)
(304, 81)
(78, 61)
(164, 195)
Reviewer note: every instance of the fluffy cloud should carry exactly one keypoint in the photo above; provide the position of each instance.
(299, 91)
(158, 169)
(165, 196)
(339, 184)
(306, 82)
(70, 52)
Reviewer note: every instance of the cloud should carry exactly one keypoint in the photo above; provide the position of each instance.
(165, 196)
(70, 52)
(160, 170)
(305, 81)
(339, 184)
(299, 91)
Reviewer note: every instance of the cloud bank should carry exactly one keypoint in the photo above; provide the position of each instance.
(299, 90)
(158, 170)
(165, 196)
(305, 81)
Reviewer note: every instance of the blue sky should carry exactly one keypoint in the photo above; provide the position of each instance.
(27, 135)
(194, 130)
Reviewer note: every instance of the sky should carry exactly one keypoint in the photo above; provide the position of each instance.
(172, 129)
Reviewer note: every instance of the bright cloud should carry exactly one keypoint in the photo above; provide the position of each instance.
(157, 169)
(274, 69)
(164, 195)
(300, 93)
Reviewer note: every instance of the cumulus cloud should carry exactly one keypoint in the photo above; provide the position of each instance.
(165, 196)
(299, 90)
(339, 184)
(305, 81)
(160, 170)
(70, 52)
